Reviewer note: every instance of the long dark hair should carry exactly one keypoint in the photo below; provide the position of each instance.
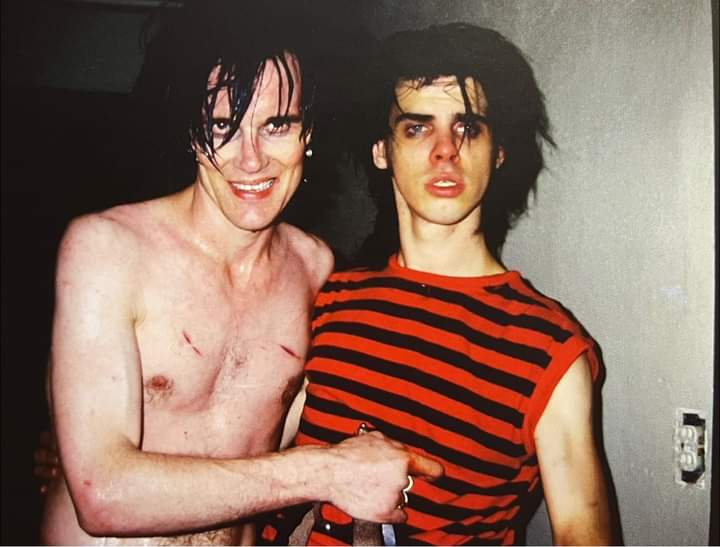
(516, 113)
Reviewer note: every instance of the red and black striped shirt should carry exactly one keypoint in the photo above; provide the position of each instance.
(458, 369)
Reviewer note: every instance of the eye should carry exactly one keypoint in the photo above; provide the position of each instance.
(220, 127)
(469, 129)
(415, 130)
(279, 126)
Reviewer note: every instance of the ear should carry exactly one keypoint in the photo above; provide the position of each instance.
(194, 148)
(198, 151)
(499, 157)
(380, 155)
(201, 157)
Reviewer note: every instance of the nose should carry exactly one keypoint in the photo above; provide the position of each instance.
(445, 148)
(251, 157)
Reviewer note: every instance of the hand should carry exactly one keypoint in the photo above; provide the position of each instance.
(370, 474)
(47, 463)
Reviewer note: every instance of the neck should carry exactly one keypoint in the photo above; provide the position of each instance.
(239, 250)
(456, 250)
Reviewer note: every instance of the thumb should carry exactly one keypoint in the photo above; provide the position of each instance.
(425, 467)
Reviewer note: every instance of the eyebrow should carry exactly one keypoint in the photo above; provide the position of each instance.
(292, 118)
(464, 117)
(414, 117)
(471, 117)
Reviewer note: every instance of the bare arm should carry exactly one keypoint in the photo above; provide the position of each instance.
(96, 389)
(573, 480)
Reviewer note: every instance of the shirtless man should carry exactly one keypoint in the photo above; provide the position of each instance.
(181, 326)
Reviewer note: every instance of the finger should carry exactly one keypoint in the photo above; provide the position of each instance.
(397, 516)
(44, 472)
(392, 442)
(45, 457)
(47, 440)
(425, 467)
(378, 435)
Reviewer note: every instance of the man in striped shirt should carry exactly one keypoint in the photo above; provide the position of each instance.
(434, 342)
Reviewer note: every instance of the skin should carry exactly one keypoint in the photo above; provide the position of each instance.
(427, 147)
(438, 234)
(180, 331)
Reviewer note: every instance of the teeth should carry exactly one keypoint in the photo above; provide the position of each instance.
(253, 187)
(445, 183)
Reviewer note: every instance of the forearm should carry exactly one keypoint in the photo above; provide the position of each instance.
(579, 514)
(589, 524)
(147, 494)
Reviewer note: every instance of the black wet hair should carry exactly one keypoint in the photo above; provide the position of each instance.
(239, 39)
(515, 112)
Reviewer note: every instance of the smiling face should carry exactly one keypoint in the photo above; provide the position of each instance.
(441, 154)
(257, 171)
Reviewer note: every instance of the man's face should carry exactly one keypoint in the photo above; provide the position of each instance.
(260, 167)
(441, 156)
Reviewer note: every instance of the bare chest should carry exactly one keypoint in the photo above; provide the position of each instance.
(220, 364)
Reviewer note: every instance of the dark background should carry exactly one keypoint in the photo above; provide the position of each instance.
(65, 152)
(60, 160)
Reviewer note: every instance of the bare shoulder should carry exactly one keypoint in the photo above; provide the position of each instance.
(312, 251)
(571, 400)
(103, 233)
(111, 240)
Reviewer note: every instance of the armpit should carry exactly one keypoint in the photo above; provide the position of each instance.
(291, 389)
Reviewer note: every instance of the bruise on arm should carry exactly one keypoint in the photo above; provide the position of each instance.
(572, 475)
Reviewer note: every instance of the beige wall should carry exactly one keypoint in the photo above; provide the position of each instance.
(622, 231)
(626, 219)
(623, 228)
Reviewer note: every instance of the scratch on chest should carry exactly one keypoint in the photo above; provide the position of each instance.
(189, 341)
(289, 351)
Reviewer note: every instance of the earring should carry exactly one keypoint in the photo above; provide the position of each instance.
(308, 153)
(191, 152)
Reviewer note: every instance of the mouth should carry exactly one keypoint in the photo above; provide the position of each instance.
(444, 183)
(255, 187)
(445, 186)
(253, 190)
